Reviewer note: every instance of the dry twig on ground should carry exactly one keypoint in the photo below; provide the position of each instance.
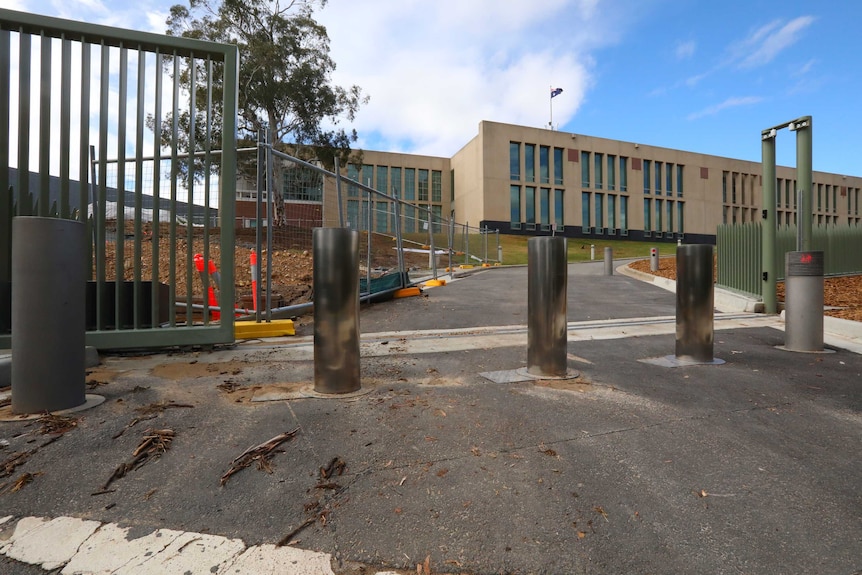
(154, 443)
(262, 454)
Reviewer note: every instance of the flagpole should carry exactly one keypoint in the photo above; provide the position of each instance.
(551, 122)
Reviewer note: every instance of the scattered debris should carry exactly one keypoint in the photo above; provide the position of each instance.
(600, 510)
(7, 468)
(261, 453)
(56, 424)
(19, 483)
(286, 540)
(229, 386)
(424, 568)
(154, 443)
(139, 388)
(547, 450)
(150, 411)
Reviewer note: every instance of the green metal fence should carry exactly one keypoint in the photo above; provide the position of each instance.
(739, 258)
(109, 113)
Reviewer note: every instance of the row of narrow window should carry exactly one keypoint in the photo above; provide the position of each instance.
(414, 187)
(546, 167)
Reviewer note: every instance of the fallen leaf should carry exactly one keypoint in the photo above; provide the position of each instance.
(600, 510)
(702, 493)
(442, 472)
(581, 534)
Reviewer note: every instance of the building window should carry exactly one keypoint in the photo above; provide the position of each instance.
(367, 174)
(530, 162)
(558, 166)
(514, 161)
(585, 212)
(395, 174)
(530, 204)
(585, 169)
(559, 218)
(733, 178)
(647, 176)
(612, 172)
(647, 214)
(436, 218)
(679, 177)
(545, 206)
(834, 199)
(514, 204)
(353, 215)
(668, 170)
(352, 174)
(680, 219)
(423, 185)
(302, 184)
(382, 179)
(410, 184)
(624, 174)
(409, 219)
(599, 159)
(658, 177)
(436, 186)
(600, 211)
(544, 164)
(612, 216)
(669, 222)
(724, 188)
(624, 215)
(658, 215)
(382, 213)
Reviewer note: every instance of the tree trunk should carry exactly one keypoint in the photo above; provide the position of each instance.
(279, 217)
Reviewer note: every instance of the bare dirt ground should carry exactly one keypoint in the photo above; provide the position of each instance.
(844, 294)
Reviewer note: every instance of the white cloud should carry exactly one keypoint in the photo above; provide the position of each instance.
(434, 70)
(685, 50)
(729, 103)
(765, 43)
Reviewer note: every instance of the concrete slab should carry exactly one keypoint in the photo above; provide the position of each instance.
(187, 553)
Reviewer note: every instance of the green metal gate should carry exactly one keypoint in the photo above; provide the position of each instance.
(111, 114)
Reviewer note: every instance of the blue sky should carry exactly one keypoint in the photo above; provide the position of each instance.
(699, 75)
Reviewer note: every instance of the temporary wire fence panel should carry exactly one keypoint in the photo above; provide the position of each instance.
(109, 114)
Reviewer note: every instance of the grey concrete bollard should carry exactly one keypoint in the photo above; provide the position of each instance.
(803, 301)
(547, 281)
(48, 314)
(335, 253)
(694, 303)
(609, 261)
(653, 259)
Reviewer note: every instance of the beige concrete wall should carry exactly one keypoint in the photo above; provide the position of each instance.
(467, 165)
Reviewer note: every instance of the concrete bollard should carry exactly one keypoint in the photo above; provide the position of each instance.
(48, 314)
(547, 281)
(694, 303)
(803, 301)
(609, 261)
(335, 253)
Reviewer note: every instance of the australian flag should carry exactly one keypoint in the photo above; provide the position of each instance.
(556, 92)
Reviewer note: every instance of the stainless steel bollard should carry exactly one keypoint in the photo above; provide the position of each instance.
(694, 303)
(803, 301)
(48, 314)
(335, 253)
(547, 281)
(653, 259)
(609, 261)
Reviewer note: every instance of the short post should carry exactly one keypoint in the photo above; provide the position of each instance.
(592, 252)
(335, 253)
(694, 303)
(547, 281)
(653, 259)
(803, 301)
(48, 314)
(609, 261)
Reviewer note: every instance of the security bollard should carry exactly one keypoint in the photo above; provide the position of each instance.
(547, 281)
(335, 253)
(694, 303)
(653, 259)
(48, 314)
(803, 301)
(609, 261)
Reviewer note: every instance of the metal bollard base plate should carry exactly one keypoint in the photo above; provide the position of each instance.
(674, 361)
(6, 413)
(785, 348)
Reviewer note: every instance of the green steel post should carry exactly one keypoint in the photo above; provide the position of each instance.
(768, 228)
(804, 178)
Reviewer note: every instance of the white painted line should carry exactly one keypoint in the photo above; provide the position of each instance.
(272, 560)
(31, 543)
(109, 550)
(189, 553)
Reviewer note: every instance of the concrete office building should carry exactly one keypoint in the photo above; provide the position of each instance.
(533, 181)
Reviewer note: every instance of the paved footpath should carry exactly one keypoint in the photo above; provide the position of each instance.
(448, 455)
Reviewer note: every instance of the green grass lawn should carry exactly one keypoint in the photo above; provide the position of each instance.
(515, 247)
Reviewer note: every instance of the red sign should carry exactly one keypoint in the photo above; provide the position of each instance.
(806, 259)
